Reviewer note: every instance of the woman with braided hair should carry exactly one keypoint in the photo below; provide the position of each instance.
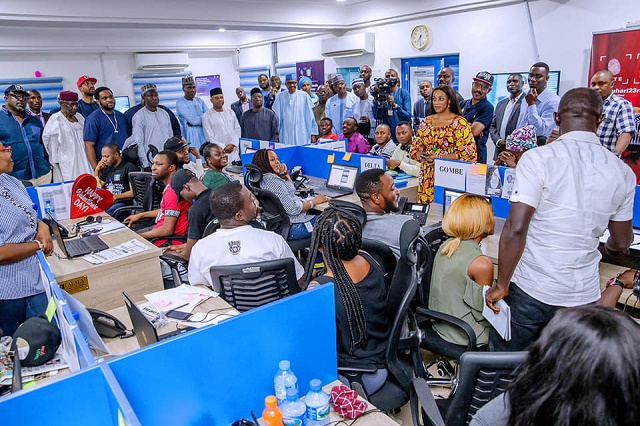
(360, 292)
(276, 179)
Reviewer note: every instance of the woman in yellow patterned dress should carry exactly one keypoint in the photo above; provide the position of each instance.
(443, 134)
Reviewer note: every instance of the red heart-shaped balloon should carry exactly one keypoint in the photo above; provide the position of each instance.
(86, 199)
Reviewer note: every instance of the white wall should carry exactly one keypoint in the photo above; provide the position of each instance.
(496, 39)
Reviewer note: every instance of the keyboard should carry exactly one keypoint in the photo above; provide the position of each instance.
(81, 246)
(332, 193)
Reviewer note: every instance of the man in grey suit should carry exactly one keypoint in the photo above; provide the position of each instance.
(505, 119)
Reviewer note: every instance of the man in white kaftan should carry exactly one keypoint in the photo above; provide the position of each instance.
(294, 109)
(221, 126)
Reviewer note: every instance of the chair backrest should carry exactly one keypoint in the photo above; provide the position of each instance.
(403, 336)
(383, 255)
(211, 227)
(252, 176)
(140, 185)
(251, 285)
(151, 152)
(481, 377)
(434, 237)
(273, 215)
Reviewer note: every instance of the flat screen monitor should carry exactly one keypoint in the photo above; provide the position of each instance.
(122, 103)
(499, 90)
(450, 195)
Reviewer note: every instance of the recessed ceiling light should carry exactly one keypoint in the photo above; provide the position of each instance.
(222, 30)
(340, 1)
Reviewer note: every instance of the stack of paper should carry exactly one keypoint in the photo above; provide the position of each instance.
(500, 321)
(115, 253)
(107, 226)
(184, 298)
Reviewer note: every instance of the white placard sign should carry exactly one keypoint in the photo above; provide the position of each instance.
(368, 162)
(450, 174)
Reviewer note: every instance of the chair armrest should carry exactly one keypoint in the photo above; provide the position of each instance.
(346, 368)
(421, 393)
(427, 314)
(173, 261)
(130, 209)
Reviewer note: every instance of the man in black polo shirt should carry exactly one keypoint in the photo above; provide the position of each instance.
(479, 112)
(113, 173)
(187, 186)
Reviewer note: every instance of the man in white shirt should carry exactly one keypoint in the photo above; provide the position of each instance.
(341, 105)
(221, 126)
(236, 242)
(294, 109)
(539, 104)
(565, 195)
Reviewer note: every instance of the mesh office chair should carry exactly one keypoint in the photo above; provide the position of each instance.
(482, 376)
(147, 194)
(429, 338)
(273, 215)
(251, 285)
(402, 354)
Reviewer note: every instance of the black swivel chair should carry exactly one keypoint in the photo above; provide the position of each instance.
(251, 285)
(481, 377)
(402, 355)
(274, 216)
(429, 338)
(147, 194)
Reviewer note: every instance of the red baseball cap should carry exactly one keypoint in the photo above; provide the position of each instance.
(84, 78)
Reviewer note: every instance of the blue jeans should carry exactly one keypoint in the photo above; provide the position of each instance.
(14, 312)
(528, 317)
(299, 231)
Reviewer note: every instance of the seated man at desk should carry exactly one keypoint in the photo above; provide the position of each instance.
(236, 242)
(171, 217)
(113, 174)
(379, 197)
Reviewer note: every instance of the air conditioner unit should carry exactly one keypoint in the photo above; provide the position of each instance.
(161, 61)
(350, 45)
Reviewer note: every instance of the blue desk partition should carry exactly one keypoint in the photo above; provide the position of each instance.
(312, 160)
(217, 374)
(87, 397)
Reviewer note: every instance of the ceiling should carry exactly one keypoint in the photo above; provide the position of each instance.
(193, 25)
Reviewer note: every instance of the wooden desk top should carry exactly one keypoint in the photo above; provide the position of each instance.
(121, 346)
(64, 269)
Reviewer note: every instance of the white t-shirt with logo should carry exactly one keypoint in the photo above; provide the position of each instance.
(244, 244)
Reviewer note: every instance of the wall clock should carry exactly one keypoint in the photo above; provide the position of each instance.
(420, 37)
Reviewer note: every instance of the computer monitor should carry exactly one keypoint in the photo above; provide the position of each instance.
(499, 89)
(122, 103)
(450, 195)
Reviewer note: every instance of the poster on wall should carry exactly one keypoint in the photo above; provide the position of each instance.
(619, 52)
(205, 83)
(349, 74)
(312, 69)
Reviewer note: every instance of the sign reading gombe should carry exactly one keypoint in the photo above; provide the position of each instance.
(86, 199)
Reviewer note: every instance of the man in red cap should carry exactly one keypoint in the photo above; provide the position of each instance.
(64, 141)
(87, 86)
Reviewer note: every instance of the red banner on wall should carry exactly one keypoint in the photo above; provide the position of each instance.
(619, 52)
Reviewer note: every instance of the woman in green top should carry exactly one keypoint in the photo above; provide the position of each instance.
(460, 269)
(216, 160)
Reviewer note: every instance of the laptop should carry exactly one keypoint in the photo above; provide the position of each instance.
(341, 181)
(143, 328)
(79, 246)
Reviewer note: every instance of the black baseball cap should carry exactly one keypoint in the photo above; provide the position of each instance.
(15, 88)
(179, 179)
(42, 340)
(175, 144)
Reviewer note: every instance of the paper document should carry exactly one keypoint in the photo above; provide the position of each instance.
(184, 297)
(500, 321)
(107, 226)
(59, 197)
(115, 253)
(202, 319)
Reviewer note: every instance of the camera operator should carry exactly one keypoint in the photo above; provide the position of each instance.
(393, 108)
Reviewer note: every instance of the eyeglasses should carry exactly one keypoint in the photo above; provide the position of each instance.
(6, 149)
(18, 97)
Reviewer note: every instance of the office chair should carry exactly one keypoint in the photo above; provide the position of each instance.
(425, 317)
(151, 152)
(251, 285)
(147, 194)
(176, 262)
(402, 354)
(350, 207)
(481, 377)
(273, 215)
(383, 255)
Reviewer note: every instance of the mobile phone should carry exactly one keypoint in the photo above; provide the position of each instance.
(179, 315)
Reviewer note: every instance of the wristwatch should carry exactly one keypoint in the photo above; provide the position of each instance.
(614, 281)
(616, 153)
(40, 245)
(311, 205)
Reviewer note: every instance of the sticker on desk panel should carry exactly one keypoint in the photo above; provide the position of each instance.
(509, 180)
(493, 183)
(75, 285)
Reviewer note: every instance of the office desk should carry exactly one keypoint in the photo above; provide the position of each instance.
(122, 346)
(138, 274)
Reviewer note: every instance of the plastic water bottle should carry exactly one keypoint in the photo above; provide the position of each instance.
(283, 380)
(47, 207)
(293, 410)
(271, 415)
(317, 403)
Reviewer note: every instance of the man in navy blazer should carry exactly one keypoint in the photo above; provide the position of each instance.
(507, 112)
